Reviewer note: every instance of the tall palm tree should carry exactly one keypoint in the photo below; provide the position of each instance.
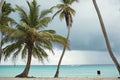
(64, 11)
(106, 37)
(30, 38)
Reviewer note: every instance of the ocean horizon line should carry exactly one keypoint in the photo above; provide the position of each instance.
(54, 65)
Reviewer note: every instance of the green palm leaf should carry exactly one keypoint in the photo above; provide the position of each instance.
(23, 15)
(9, 49)
(53, 37)
(62, 15)
(44, 13)
(16, 53)
(43, 22)
(24, 52)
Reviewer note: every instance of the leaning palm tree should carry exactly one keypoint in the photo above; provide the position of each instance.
(106, 37)
(65, 11)
(29, 38)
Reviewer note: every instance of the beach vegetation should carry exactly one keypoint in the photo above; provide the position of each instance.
(29, 38)
(65, 11)
(5, 20)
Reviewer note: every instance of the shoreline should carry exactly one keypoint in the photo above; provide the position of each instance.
(62, 78)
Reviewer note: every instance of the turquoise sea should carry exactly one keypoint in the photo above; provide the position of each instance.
(65, 71)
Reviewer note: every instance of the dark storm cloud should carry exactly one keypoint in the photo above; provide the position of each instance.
(86, 33)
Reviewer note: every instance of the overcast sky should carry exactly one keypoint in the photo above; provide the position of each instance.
(86, 40)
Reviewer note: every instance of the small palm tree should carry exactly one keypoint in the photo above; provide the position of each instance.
(29, 38)
(64, 11)
(106, 37)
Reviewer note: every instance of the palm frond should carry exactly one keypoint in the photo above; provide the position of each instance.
(73, 1)
(9, 49)
(49, 31)
(16, 53)
(23, 26)
(45, 35)
(23, 15)
(46, 44)
(11, 21)
(66, 1)
(43, 52)
(58, 6)
(59, 39)
(36, 54)
(62, 15)
(7, 39)
(34, 9)
(7, 29)
(18, 34)
(72, 11)
(24, 52)
(43, 22)
(53, 37)
(7, 9)
(56, 13)
(45, 12)
(39, 53)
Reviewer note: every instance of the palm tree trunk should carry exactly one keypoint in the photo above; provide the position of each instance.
(62, 55)
(106, 37)
(26, 70)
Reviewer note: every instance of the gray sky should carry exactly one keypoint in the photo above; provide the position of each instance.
(86, 39)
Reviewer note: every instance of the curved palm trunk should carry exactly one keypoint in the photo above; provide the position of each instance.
(106, 37)
(62, 55)
(26, 70)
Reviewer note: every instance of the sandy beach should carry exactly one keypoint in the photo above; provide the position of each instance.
(83, 78)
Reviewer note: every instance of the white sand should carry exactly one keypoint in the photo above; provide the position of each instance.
(85, 78)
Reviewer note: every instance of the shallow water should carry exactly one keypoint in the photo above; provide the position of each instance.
(65, 70)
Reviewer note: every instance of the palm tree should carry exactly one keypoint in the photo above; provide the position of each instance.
(30, 38)
(5, 10)
(106, 37)
(64, 11)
